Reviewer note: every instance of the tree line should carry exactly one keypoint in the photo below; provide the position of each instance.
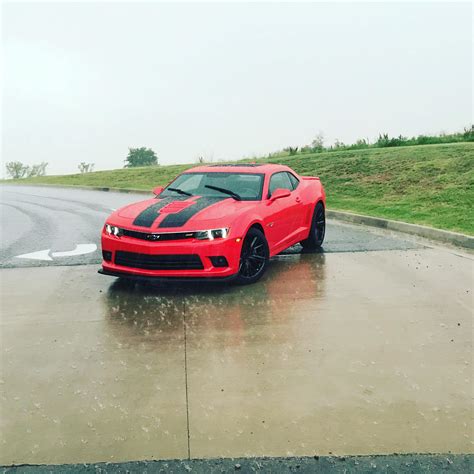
(147, 157)
(136, 157)
(384, 140)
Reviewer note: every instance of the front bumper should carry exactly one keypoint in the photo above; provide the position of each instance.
(229, 248)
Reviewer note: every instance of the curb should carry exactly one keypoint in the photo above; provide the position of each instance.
(399, 463)
(445, 236)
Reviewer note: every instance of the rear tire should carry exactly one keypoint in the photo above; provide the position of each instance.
(318, 229)
(253, 257)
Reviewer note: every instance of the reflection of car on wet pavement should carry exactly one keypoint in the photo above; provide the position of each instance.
(149, 312)
(222, 221)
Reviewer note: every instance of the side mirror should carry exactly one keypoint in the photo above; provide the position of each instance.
(280, 193)
(158, 190)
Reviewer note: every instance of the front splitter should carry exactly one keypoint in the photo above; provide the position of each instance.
(170, 279)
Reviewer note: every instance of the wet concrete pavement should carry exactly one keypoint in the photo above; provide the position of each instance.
(334, 353)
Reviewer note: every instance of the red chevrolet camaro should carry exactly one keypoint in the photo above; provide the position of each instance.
(222, 222)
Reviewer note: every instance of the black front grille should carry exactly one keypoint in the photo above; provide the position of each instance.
(152, 237)
(158, 262)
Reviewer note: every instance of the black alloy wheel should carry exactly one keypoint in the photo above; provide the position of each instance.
(253, 257)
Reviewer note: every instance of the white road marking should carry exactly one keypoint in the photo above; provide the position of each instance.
(40, 255)
(80, 249)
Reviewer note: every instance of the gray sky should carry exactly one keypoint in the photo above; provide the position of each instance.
(83, 82)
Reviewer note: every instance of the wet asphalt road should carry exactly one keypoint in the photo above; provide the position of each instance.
(36, 219)
(365, 348)
(58, 219)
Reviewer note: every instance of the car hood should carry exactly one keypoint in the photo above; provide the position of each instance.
(181, 213)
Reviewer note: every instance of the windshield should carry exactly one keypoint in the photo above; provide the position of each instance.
(247, 186)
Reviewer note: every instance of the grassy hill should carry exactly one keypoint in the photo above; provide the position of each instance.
(425, 184)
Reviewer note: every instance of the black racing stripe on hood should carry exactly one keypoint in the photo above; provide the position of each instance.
(180, 218)
(150, 214)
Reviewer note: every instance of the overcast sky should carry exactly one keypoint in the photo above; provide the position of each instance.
(83, 82)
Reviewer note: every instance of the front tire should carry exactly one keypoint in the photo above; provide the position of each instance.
(318, 229)
(253, 257)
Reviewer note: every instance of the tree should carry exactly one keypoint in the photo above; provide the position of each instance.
(36, 170)
(291, 150)
(318, 142)
(16, 169)
(469, 133)
(141, 157)
(85, 167)
(362, 143)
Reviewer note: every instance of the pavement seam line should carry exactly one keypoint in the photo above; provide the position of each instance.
(186, 377)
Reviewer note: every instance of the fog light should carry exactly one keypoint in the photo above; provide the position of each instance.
(219, 261)
(106, 255)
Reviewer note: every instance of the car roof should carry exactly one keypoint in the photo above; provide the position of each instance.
(266, 168)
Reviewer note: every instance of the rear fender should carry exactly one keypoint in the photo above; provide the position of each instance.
(313, 189)
(312, 192)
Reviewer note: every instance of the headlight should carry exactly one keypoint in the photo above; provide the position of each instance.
(212, 234)
(113, 230)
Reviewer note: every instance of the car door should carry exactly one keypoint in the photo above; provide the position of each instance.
(281, 221)
(301, 209)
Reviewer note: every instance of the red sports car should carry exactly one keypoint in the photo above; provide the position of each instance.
(218, 221)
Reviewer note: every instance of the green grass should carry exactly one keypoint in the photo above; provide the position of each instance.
(426, 184)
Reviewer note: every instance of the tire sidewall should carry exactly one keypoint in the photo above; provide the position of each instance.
(316, 237)
(313, 242)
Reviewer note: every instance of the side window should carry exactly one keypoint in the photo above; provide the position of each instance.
(280, 180)
(294, 180)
